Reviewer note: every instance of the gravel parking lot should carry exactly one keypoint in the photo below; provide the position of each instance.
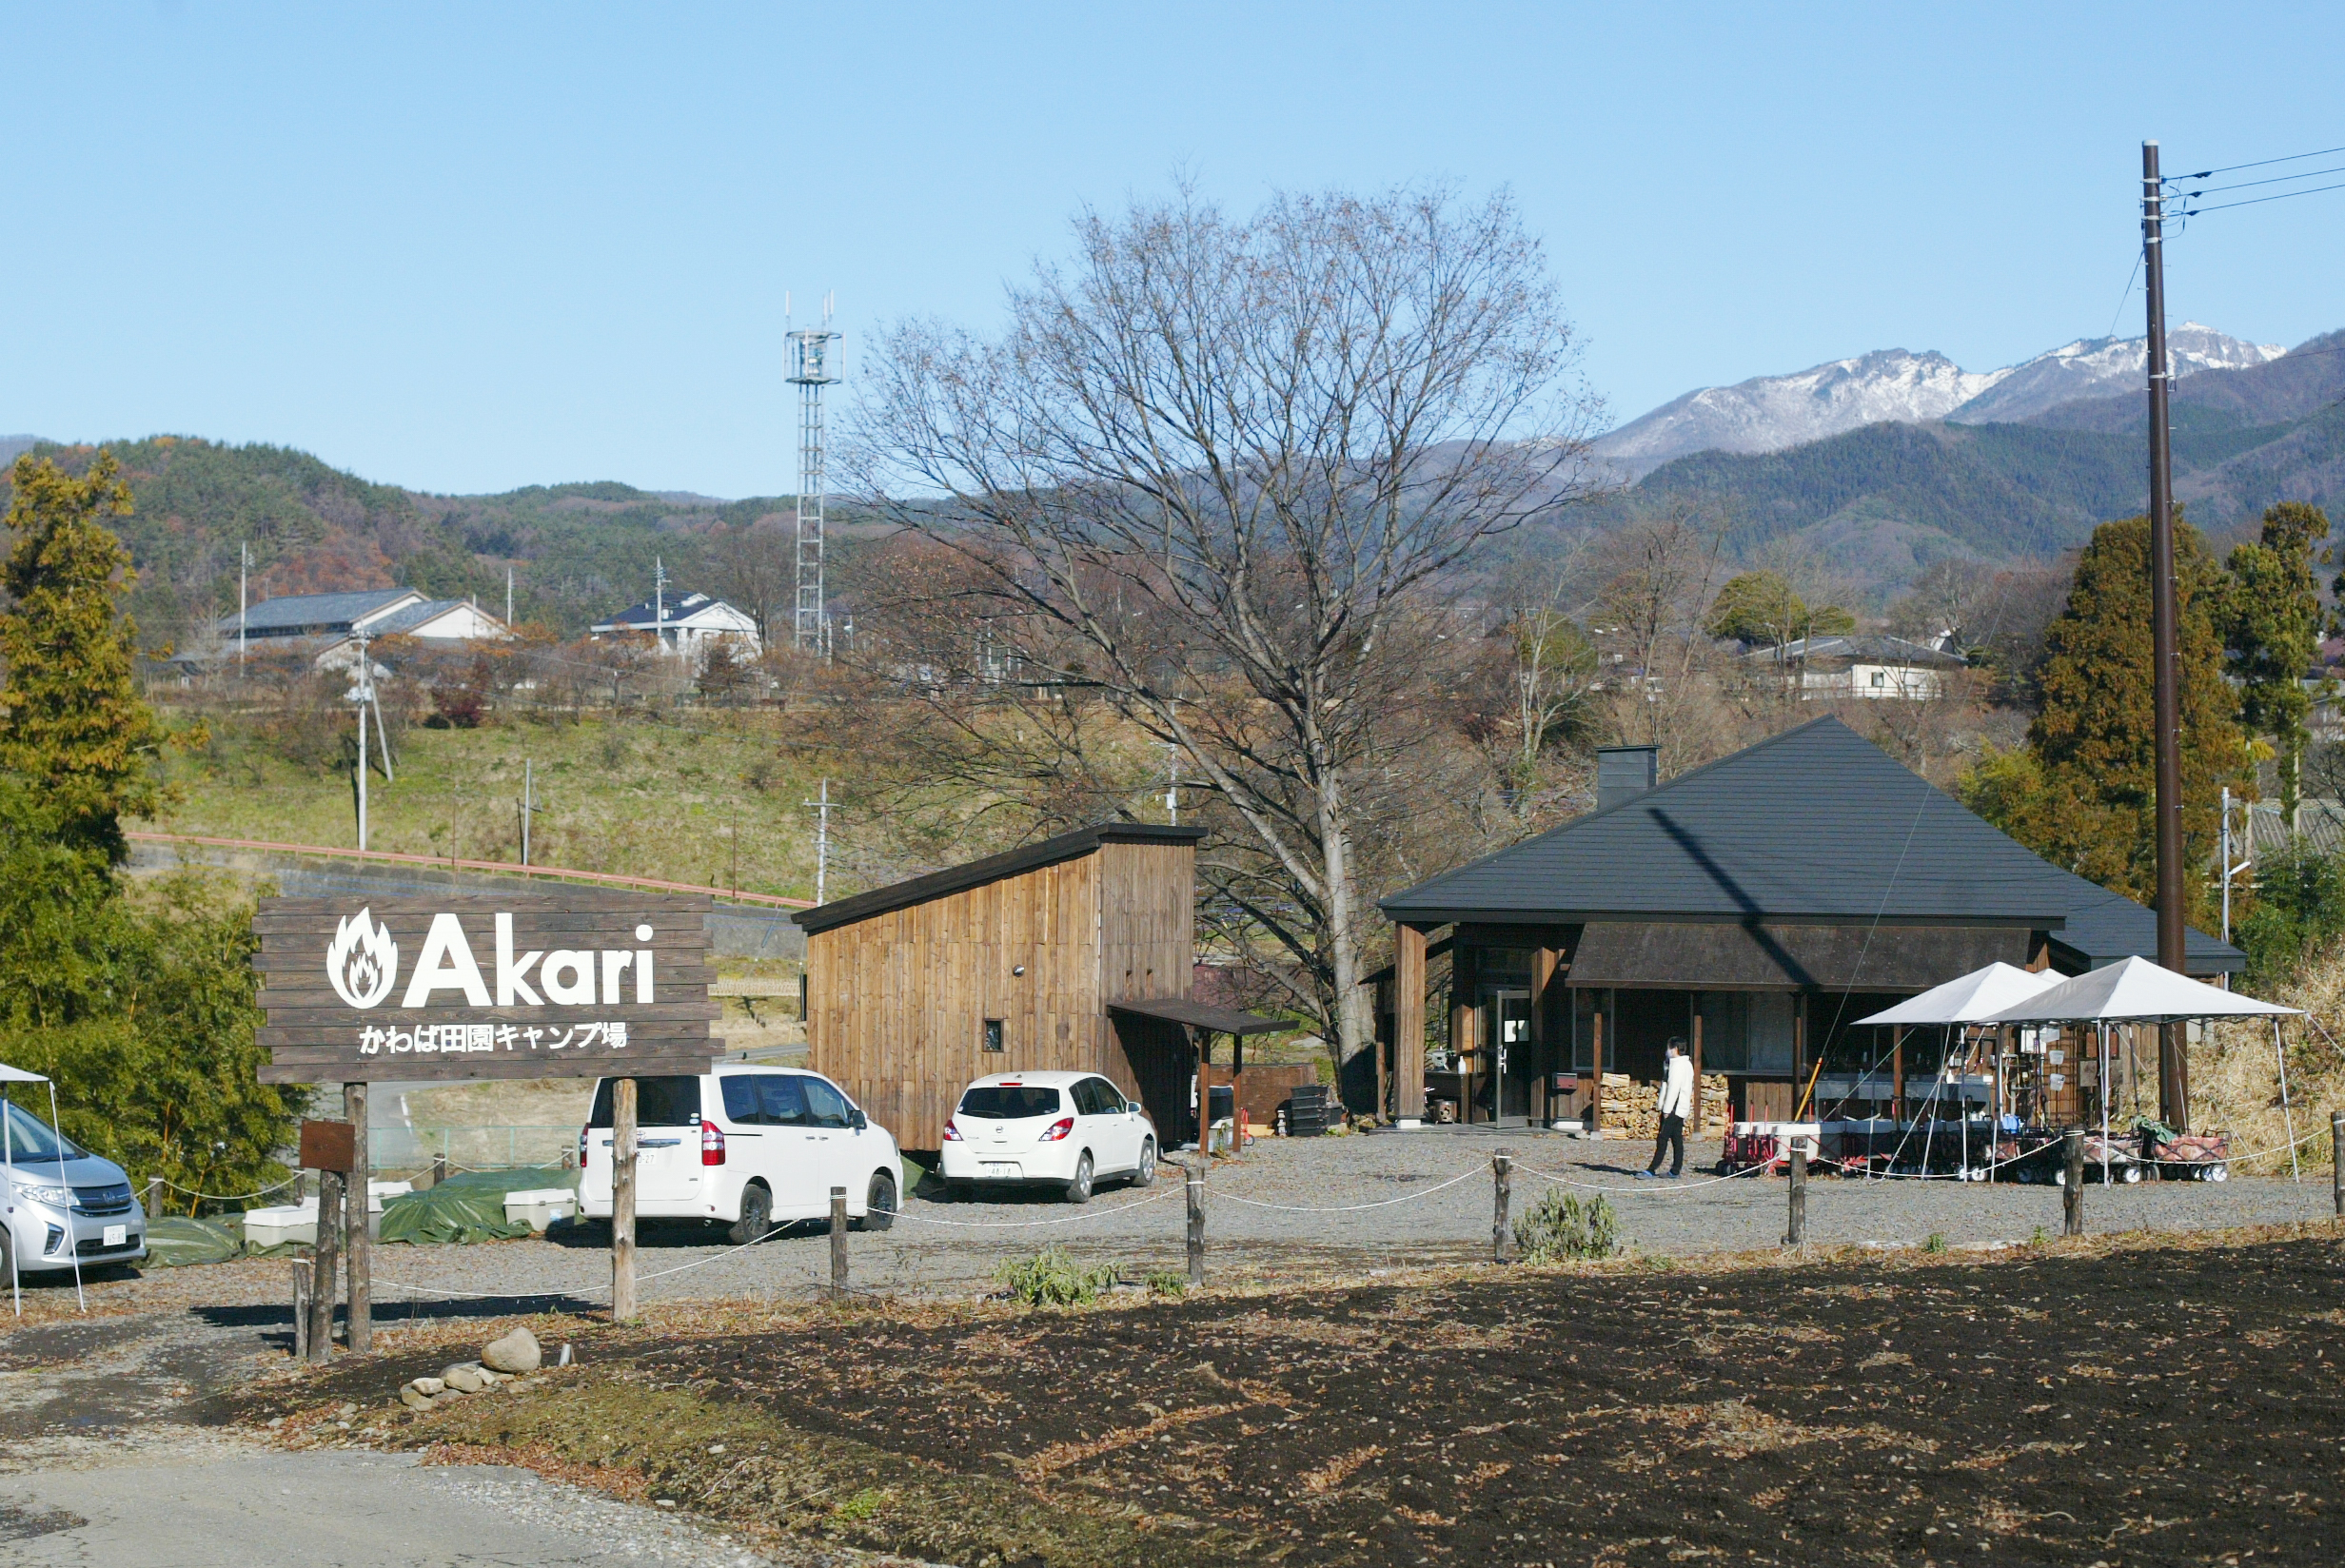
(1288, 1209)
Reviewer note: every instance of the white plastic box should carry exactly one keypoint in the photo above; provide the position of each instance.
(540, 1206)
(281, 1223)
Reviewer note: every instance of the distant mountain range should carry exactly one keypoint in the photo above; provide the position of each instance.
(1770, 413)
(1877, 503)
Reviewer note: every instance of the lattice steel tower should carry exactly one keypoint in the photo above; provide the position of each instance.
(810, 372)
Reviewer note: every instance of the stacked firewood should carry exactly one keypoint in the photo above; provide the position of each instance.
(1632, 1109)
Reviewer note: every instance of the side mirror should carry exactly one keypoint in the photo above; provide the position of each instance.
(861, 1121)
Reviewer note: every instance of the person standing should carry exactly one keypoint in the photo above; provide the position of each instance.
(1676, 1097)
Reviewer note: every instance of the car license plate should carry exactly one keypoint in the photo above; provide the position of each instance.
(116, 1236)
(1000, 1170)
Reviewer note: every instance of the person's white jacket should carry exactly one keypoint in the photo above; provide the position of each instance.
(1677, 1087)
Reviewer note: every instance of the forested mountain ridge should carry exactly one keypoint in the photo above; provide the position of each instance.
(577, 552)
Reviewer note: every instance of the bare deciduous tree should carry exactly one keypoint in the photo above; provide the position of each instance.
(1210, 471)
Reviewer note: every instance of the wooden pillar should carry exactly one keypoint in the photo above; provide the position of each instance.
(1408, 1022)
(1238, 1092)
(622, 1200)
(321, 1276)
(359, 1253)
(1798, 1056)
(1384, 1048)
(1595, 1088)
(1897, 1074)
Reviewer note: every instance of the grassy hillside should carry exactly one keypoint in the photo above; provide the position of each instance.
(682, 802)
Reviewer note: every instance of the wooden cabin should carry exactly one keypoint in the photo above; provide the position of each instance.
(1076, 953)
(1754, 908)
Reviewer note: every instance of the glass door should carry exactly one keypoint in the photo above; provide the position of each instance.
(1513, 1063)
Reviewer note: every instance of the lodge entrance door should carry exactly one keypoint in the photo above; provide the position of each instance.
(1514, 1064)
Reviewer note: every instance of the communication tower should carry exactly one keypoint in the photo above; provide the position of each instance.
(810, 372)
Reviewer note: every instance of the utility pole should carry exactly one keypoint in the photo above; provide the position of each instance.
(244, 565)
(1173, 782)
(362, 745)
(509, 598)
(823, 838)
(659, 606)
(529, 804)
(2173, 1071)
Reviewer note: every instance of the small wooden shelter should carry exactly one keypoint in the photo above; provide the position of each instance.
(1075, 954)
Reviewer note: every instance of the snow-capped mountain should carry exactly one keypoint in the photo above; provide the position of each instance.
(1768, 413)
(2101, 367)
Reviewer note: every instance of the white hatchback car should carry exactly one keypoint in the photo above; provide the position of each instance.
(749, 1147)
(1067, 1129)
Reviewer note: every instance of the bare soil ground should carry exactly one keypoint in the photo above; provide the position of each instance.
(2136, 1401)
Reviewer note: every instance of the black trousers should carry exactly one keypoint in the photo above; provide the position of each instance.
(1671, 1141)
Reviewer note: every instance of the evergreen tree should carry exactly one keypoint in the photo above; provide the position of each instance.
(2086, 796)
(1761, 609)
(72, 719)
(2272, 628)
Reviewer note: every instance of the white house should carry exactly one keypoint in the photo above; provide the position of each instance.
(685, 623)
(1866, 665)
(329, 624)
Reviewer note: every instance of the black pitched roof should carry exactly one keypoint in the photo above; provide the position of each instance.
(1813, 824)
(1066, 846)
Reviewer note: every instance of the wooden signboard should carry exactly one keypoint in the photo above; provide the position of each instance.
(328, 1145)
(568, 983)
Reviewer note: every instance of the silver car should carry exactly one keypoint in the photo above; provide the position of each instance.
(64, 1201)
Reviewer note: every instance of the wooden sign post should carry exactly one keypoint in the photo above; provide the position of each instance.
(548, 983)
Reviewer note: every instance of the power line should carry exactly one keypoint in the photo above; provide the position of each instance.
(2260, 162)
(2243, 185)
(2257, 201)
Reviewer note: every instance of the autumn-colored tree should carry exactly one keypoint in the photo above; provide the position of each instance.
(72, 719)
(2271, 625)
(2084, 796)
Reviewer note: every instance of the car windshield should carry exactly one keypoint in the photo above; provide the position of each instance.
(29, 1138)
(658, 1103)
(1008, 1101)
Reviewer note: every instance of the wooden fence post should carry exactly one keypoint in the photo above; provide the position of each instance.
(839, 1243)
(1797, 1234)
(1502, 1186)
(622, 1200)
(2336, 1161)
(300, 1309)
(2072, 1188)
(1196, 1222)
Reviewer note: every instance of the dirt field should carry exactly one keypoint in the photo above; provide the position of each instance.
(2119, 1402)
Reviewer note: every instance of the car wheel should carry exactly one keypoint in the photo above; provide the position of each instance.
(1145, 1174)
(1079, 1191)
(757, 1215)
(879, 1205)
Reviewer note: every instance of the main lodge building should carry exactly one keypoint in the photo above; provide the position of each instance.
(1757, 905)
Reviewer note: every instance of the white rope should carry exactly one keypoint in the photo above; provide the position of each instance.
(1677, 1183)
(227, 1196)
(1350, 1208)
(1031, 1224)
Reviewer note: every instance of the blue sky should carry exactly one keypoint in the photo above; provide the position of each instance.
(468, 247)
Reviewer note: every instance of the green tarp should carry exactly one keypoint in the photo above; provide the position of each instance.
(467, 1208)
(173, 1241)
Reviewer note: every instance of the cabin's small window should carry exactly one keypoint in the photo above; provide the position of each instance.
(993, 1034)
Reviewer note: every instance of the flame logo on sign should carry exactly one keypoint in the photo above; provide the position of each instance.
(363, 961)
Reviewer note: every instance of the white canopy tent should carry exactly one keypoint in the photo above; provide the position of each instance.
(1962, 1003)
(1975, 998)
(2133, 990)
(8, 1151)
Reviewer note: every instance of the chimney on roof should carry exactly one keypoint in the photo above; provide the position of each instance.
(1624, 773)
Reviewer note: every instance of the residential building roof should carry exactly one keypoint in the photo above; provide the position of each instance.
(297, 615)
(407, 618)
(1860, 648)
(919, 890)
(679, 609)
(1816, 825)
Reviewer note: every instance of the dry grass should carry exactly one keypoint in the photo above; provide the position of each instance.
(2234, 1072)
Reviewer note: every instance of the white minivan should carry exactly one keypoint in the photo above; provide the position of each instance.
(748, 1147)
(1064, 1130)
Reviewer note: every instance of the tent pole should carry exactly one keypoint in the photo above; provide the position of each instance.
(8, 1144)
(73, 1243)
(2287, 1117)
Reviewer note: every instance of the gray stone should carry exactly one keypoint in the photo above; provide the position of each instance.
(428, 1387)
(414, 1397)
(515, 1352)
(464, 1377)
